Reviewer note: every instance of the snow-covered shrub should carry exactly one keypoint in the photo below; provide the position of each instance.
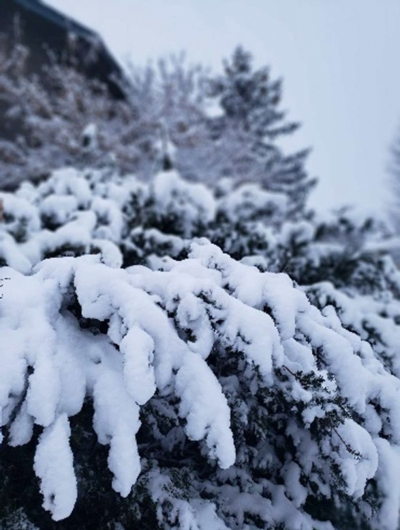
(311, 443)
(80, 212)
(346, 247)
(239, 396)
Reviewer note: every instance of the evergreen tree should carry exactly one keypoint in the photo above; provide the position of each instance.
(394, 182)
(252, 119)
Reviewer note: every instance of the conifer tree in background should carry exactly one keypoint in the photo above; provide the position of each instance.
(251, 122)
(394, 184)
(160, 368)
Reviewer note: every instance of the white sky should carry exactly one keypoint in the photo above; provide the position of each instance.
(340, 60)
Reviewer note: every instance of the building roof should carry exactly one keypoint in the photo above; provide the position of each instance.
(45, 29)
(55, 17)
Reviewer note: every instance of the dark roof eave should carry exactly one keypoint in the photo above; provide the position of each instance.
(52, 15)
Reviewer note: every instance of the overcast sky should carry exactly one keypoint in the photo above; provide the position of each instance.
(340, 60)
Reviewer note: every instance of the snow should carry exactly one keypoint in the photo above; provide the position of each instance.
(173, 194)
(76, 212)
(387, 477)
(357, 471)
(250, 202)
(67, 181)
(11, 255)
(137, 348)
(116, 422)
(205, 409)
(54, 466)
(59, 208)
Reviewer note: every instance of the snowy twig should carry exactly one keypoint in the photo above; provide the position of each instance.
(347, 446)
(1, 284)
(289, 370)
(349, 449)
